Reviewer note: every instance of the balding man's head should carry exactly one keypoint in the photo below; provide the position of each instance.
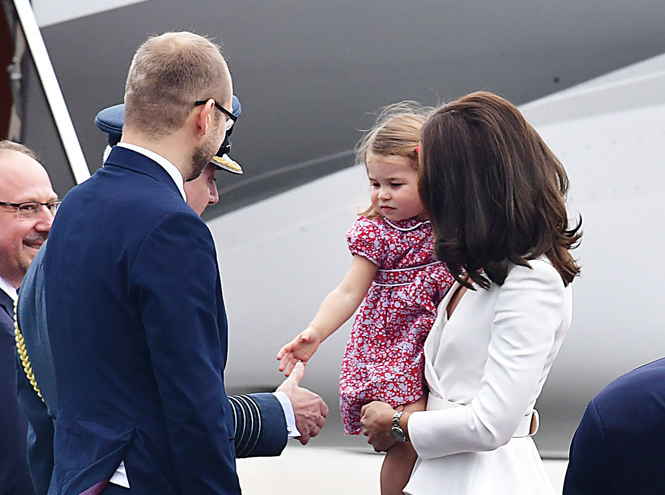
(168, 74)
(22, 179)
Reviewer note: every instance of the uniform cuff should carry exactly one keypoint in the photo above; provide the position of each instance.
(288, 414)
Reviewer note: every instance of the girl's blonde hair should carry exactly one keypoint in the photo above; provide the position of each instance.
(395, 133)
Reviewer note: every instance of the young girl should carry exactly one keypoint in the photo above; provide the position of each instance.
(396, 276)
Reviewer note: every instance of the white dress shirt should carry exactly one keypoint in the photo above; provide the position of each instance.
(8, 289)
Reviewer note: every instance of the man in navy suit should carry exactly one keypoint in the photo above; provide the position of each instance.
(27, 203)
(260, 420)
(133, 296)
(618, 448)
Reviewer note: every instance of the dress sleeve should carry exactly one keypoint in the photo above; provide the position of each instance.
(530, 308)
(366, 238)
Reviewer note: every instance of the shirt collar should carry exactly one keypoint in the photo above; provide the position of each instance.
(8, 289)
(163, 162)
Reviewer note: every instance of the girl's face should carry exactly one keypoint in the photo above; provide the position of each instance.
(394, 185)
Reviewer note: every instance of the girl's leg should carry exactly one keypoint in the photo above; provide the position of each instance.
(399, 460)
(396, 469)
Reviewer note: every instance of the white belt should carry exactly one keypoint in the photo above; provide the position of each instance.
(528, 425)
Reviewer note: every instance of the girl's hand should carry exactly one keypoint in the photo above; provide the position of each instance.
(336, 308)
(299, 349)
(377, 421)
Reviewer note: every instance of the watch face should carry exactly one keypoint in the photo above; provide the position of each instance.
(398, 434)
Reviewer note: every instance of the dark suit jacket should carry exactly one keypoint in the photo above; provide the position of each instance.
(619, 446)
(14, 476)
(260, 426)
(138, 333)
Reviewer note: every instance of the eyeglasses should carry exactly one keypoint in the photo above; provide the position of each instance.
(231, 118)
(30, 209)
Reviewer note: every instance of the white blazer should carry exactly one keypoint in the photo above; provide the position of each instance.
(491, 360)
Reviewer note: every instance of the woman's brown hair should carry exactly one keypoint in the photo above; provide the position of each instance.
(494, 191)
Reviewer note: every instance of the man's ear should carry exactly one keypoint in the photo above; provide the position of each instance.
(203, 118)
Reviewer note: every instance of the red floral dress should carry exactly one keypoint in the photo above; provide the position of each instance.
(384, 356)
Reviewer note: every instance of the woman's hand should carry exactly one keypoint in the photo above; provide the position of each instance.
(377, 421)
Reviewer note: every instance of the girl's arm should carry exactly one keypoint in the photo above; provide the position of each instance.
(336, 308)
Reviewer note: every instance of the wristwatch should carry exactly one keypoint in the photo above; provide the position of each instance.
(396, 431)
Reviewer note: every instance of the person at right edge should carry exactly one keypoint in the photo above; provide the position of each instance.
(495, 194)
(618, 446)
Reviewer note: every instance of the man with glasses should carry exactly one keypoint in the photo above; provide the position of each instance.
(263, 421)
(27, 206)
(134, 303)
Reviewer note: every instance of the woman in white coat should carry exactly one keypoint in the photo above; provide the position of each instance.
(496, 198)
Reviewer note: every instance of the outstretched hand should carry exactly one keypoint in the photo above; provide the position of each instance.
(310, 410)
(299, 349)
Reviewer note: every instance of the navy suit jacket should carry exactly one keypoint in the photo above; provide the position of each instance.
(260, 426)
(14, 476)
(138, 332)
(619, 446)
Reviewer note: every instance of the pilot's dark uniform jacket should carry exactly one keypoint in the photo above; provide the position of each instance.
(619, 446)
(258, 418)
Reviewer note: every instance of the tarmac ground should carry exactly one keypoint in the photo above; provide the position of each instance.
(313, 470)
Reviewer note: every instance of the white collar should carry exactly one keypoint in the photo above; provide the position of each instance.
(414, 226)
(171, 169)
(8, 289)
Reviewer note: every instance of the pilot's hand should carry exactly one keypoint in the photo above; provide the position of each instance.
(299, 349)
(309, 408)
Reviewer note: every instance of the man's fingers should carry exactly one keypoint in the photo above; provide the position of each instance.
(297, 373)
(303, 439)
(320, 422)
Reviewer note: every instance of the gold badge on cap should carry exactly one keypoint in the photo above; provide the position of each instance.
(227, 163)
